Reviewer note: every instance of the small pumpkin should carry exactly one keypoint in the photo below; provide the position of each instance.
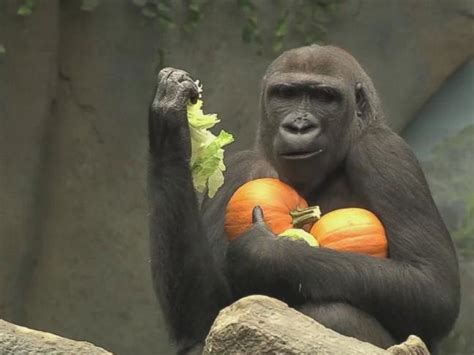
(298, 234)
(283, 207)
(353, 230)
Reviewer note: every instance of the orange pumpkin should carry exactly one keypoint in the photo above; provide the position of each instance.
(283, 207)
(351, 229)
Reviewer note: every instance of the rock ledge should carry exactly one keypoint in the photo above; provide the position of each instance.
(260, 324)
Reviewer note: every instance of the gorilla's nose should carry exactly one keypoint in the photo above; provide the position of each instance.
(304, 123)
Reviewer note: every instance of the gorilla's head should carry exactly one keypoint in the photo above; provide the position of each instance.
(315, 102)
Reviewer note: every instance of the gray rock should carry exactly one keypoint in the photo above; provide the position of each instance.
(264, 325)
(20, 340)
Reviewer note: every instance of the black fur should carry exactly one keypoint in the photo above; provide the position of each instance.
(197, 271)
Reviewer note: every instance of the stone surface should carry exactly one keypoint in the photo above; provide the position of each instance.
(412, 346)
(15, 340)
(27, 88)
(264, 325)
(93, 269)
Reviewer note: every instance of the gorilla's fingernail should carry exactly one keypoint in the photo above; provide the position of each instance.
(257, 215)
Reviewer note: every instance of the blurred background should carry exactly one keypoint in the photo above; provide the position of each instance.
(76, 77)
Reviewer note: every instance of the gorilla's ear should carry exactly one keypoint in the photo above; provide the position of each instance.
(362, 101)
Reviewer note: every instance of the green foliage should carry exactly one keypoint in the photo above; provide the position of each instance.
(2, 49)
(303, 20)
(160, 10)
(28, 5)
(281, 31)
(27, 8)
(194, 13)
(250, 31)
(314, 16)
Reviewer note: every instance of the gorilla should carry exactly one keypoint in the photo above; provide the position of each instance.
(321, 131)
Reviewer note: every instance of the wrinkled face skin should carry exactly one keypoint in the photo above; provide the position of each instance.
(308, 115)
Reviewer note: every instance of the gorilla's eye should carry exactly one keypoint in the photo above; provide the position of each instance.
(284, 91)
(324, 94)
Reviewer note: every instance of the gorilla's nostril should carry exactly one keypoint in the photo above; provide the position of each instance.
(299, 125)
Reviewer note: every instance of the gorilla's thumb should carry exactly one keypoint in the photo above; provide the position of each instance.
(257, 215)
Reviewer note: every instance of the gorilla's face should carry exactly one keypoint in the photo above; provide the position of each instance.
(308, 117)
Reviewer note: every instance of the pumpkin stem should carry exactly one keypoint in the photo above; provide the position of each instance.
(305, 216)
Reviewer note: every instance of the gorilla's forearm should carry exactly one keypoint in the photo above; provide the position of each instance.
(404, 298)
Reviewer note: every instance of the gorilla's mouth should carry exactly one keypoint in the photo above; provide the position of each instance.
(301, 155)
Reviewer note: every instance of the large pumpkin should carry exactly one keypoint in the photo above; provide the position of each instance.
(283, 207)
(351, 229)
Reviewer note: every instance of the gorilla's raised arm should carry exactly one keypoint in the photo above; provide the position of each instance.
(190, 287)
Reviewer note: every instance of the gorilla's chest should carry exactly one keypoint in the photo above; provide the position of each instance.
(335, 194)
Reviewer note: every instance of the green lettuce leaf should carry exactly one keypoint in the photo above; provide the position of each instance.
(207, 155)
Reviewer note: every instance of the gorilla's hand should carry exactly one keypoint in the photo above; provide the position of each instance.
(258, 221)
(175, 89)
(248, 252)
(169, 129)
(259, 228)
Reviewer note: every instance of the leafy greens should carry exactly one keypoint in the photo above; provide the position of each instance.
(207, 157)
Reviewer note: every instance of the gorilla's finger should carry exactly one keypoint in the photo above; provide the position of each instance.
(194, 98)
(191, 90)
(165, 73)
(257, 215)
